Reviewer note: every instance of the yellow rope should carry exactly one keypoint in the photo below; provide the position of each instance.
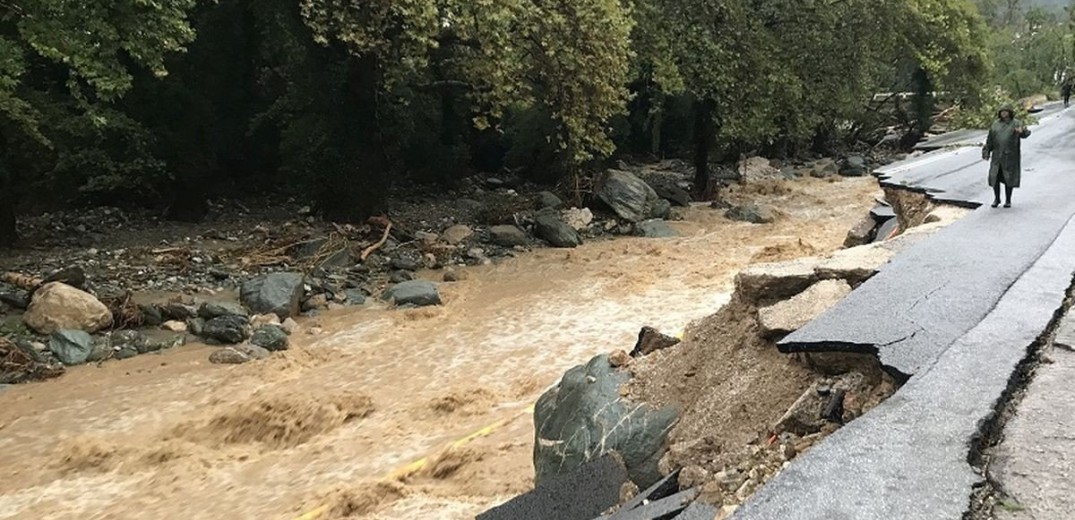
(416, 466)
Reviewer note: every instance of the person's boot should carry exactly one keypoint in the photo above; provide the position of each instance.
(1007, 197)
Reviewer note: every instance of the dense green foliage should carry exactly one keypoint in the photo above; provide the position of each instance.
(1031, 48)
(168, 102)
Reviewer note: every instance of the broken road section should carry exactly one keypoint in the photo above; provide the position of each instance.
(937, 290)
(908, 458)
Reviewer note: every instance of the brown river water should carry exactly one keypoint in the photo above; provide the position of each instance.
(365, 393)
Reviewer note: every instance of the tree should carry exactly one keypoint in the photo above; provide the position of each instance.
(73, 60)
(570, 56)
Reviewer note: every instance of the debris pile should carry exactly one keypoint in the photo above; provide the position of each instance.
(722, 410)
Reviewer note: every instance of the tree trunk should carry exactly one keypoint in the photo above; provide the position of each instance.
(189, 202)
(190, 192)
(822, 141)
(655, 132)
(923, 101)
(8, 232)
(358, 189)
(703, 141)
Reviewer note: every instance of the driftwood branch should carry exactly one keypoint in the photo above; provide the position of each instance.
(21, 280)
(369, 250)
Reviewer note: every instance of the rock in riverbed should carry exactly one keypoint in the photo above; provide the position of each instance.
(227, 329)
(550, 228)
(508, 236)
(585, 417)
(854, 166)
(71, 347)
(57, 306)
(238, 355)
(270, 337)
(752, 213)
(415, 292)
(578, 218)
(630, 197)
(278, 293)
(455, 235)
(655, 229)
(174, 326)
(210, 310)
(546, 199)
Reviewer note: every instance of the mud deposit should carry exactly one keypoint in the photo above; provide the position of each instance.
(336, 424)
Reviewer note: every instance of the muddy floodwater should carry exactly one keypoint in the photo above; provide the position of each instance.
(365, 393)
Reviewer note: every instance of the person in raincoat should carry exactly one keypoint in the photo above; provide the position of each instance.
(1002, 149)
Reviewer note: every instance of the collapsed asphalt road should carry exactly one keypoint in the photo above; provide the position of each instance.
(934, 292)
(955, 313)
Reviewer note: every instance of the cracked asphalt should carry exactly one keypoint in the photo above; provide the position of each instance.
(937, 290)
(955, 313)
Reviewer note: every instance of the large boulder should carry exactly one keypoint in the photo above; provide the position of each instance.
(630, 197)
(585, 417)
(550, 228)
(790, 315)
(278, 293)
(71, 347)
(57, 306)
(415, 292)
(508, 236)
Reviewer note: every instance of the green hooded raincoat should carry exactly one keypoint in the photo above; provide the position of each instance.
(1003, 148)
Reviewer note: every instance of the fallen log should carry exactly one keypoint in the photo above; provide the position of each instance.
(73, 276)
(21, 281)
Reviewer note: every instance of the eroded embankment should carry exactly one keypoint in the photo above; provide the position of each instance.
(747, 409)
